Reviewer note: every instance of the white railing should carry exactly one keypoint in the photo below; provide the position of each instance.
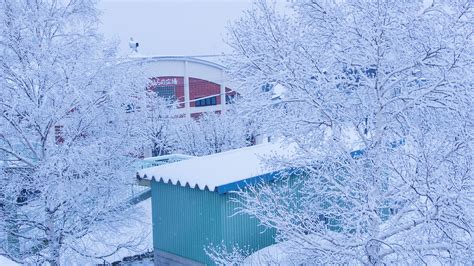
(137, 190)
(163, 159)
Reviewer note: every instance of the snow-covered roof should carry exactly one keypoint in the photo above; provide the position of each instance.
(221, 172)
(138, 58)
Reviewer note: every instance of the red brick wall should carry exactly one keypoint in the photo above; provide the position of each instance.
(178, 82)
(198, 88)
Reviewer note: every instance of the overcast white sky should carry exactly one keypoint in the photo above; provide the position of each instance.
(166, 27)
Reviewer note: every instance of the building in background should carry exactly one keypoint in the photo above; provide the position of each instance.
(197, 85)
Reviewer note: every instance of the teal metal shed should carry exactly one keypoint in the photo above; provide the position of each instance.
(191, 207)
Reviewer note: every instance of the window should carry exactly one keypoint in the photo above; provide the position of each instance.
(130, 108)
(229, 99)
(58, 134)
(267, 87)
(206, 101)
(166, 92)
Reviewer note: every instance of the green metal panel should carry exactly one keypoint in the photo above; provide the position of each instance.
(243, 230)
(186, 220)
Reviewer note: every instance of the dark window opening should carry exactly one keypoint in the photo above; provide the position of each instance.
(58, 134)
(206, 101)
(229, 99)
(168, 92)
(267, 87)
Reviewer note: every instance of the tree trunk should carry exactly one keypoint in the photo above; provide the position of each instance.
(53, 239)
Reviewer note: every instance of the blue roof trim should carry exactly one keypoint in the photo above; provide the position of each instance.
(272, 175)
(249, 181)
(397, 143)
(394, 144)
(357, 154)
(267, 177)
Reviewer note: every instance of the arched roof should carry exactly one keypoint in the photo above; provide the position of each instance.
(182, 66)
(182, 58)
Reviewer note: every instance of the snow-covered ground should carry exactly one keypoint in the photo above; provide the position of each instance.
(4, 261)
(134, 237)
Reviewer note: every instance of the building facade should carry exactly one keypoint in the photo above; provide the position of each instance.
(197, 85)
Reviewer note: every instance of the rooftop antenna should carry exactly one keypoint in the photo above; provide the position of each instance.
(133, 45)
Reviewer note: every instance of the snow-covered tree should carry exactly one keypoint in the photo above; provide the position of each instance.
(166, 129)
(158, 116)
(209, 133)
(66, 132)
(379, 99)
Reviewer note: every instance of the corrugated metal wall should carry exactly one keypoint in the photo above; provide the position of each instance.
(243, 230)
(186, 220)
